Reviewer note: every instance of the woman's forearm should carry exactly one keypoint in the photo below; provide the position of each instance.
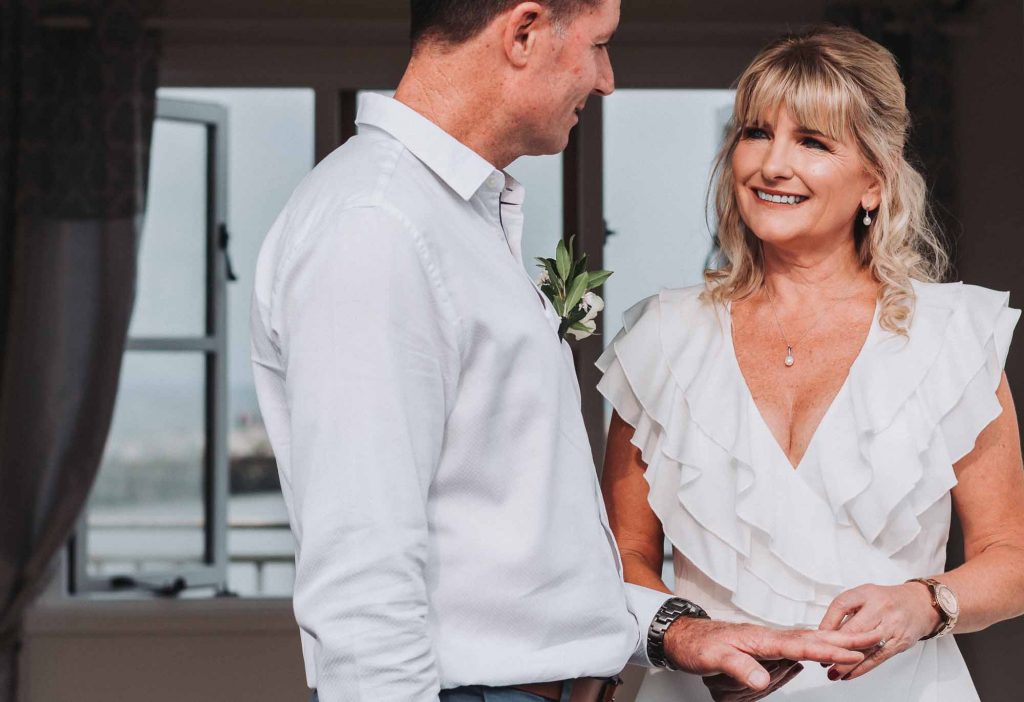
(638, 570)
(989, 587)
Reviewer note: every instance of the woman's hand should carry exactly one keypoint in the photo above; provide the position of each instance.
(901, 615)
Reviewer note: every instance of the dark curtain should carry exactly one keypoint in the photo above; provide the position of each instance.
(76, 114)
(914, 35)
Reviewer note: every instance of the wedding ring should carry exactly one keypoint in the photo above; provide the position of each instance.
(882, 643)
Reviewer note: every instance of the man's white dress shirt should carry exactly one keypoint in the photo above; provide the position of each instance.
(448, 521)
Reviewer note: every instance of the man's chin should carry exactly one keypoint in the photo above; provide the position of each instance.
(548, 146)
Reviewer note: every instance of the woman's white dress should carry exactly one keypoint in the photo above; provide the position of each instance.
(757, 541)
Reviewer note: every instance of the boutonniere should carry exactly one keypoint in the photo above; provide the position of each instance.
(568, 284)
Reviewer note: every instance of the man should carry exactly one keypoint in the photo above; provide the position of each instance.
(425, 417)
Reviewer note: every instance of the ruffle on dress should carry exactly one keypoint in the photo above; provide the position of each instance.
(908, 411)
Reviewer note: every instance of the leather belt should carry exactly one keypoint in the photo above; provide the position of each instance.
(583, 689)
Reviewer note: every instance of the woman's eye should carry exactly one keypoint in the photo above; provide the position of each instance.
(814, 144)
(754, 133)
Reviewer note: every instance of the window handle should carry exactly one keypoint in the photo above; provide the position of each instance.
(222, 241)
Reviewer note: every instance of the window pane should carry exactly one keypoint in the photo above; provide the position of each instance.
(270, 149)
(146, 509)
(171, 299)
(542, 208)
(659, 147)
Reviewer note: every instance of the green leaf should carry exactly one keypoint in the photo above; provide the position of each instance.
(579, 287)
(596, 279)
(576, 315)
(562, 260)
(549, 265)
(579, 268)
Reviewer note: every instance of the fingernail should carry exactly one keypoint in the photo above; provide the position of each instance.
(759, 679)
(833, 674)
(824, 665)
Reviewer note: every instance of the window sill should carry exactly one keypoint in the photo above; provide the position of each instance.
(84, 616)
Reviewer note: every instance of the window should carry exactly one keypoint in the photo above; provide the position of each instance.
(176, 477)
(155, 517)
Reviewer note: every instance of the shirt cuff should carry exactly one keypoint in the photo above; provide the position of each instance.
(644, 603)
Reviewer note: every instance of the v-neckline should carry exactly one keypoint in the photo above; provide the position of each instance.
(795, 468)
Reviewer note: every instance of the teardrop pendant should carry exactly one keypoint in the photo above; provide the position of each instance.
(789, 356)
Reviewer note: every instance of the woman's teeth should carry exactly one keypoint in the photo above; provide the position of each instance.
(781, 199)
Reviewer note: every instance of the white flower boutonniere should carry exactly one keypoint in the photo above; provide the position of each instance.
(568, 284)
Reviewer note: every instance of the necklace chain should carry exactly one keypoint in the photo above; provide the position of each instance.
(790, 359)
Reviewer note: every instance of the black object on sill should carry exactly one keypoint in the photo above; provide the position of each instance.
(171, 589)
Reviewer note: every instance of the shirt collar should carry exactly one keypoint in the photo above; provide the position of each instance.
(456, 164)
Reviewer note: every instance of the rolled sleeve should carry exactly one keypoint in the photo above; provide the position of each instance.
(370, 363)
(643, 603)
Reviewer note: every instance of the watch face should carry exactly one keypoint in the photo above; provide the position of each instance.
(947, 600)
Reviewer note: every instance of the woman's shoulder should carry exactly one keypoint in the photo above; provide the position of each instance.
(960, 308)
(673, 331)
(959, 293)
(677, 305)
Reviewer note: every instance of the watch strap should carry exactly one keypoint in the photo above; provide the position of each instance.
(946, 623)
(673, 609)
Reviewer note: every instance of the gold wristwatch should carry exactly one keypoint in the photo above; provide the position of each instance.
(945, 601)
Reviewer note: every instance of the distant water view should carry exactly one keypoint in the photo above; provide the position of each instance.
(146, 511)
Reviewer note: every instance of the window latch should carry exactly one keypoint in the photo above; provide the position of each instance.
(222, 241)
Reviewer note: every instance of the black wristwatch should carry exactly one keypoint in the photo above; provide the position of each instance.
(673, 608)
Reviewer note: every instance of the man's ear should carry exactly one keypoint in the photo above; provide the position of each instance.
(522, 26)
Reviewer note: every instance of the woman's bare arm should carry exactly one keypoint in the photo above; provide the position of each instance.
(989, 499)
(636, 528)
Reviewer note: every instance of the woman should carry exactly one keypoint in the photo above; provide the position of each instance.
(800, 425)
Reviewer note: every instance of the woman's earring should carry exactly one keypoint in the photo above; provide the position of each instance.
(867, 218)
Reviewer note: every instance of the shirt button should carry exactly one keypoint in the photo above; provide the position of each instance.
(494, 180)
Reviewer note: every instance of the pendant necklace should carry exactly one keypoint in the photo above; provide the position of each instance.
(790, 359)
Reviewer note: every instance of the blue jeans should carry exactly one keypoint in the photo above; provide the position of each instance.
(479, 693)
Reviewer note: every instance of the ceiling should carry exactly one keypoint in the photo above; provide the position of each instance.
(675, 11)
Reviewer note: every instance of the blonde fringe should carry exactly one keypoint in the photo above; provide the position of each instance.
(834, 79)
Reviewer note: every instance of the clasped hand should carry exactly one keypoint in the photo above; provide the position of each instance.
(746, 662)
(898, 616)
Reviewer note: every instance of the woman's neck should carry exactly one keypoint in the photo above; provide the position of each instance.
(798, 277)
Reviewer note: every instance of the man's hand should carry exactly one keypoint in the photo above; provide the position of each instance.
(725, 689)
(707, 647)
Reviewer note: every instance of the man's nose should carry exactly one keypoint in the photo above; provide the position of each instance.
(605, 77)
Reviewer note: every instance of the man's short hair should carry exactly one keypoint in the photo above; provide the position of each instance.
(456, 21)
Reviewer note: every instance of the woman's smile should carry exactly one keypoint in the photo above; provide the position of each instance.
(767, 196)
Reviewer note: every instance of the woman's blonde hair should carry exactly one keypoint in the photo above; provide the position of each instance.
(840, 83)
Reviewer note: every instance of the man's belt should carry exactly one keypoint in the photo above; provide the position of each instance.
(583, 689)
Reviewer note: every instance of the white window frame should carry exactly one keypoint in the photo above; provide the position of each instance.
(211, 572)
